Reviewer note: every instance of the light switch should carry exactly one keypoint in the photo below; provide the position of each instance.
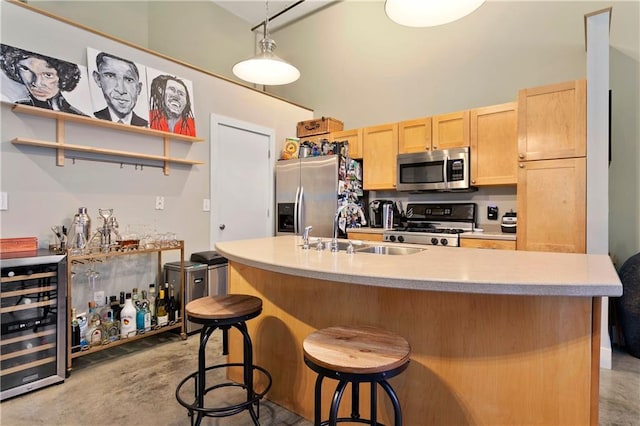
(4, 201)
(159, 203)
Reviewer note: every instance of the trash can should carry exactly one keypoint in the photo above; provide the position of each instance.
(195, 283)
(217, 270)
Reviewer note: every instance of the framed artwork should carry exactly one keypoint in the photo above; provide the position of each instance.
(31, 78)
(170, 103)
(118, 88)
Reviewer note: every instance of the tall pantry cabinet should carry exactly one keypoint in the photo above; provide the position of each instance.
(551, 187)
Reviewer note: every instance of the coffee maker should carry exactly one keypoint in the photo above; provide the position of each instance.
(376, 208)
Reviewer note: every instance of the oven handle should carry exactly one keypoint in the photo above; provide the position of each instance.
(446, 171)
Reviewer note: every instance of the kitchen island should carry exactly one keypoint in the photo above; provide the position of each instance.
(497, 337)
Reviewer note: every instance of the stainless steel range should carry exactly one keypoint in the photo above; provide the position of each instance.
(435, 224)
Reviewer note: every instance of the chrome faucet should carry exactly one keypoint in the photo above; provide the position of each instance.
(305, 237)
(334, 241)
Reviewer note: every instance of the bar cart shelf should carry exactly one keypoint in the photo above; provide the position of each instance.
(177, 326)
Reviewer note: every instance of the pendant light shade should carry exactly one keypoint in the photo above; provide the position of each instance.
(266, 68)
(429, 13)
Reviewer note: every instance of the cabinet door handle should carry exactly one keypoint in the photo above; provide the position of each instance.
(222, 226)
(521, 156)
(521, 165)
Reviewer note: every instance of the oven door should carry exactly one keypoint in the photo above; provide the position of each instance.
(422, 171)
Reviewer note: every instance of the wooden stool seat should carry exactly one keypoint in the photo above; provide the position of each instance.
(354, 355)
(223, 312)
(224, 307)
(357, 350)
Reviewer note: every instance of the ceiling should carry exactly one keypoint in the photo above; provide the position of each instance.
(254, 11)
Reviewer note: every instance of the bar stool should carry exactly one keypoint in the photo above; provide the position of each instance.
(224, 312)
(355, 354)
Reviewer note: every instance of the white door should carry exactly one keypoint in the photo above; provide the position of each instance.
(241, 180)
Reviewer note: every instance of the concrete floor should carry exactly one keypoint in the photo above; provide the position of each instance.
(135, 385)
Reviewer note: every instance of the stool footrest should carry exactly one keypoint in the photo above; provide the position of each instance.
(227, 410)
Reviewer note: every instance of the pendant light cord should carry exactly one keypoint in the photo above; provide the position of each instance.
(261, 24)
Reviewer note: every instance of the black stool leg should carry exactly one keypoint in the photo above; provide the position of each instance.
(355, 400)
(335, 402)
(374, 403)
(248, 369)
(205, 333)
(317, 401)
(394, 400)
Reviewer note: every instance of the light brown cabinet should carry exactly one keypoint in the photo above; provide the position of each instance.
(354, 137)
(488, 243)
(551, 204)
(379, 151)
(551, 191)
(494, 145)
(414, 135)
(450, 130)
(552, 121)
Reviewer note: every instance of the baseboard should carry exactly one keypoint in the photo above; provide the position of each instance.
(605, 357)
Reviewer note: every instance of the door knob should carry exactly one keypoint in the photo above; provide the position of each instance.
(222, 226)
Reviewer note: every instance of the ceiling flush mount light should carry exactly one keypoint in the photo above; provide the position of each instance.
(429, 13)
(266, 68)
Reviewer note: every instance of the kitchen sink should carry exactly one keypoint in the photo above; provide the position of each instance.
(388, 250)
(342, 244)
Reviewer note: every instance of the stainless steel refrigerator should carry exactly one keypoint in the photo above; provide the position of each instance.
(309, 190)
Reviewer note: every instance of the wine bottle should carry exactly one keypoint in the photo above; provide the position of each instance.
(128, 318)
(75, 331)
(152, 303)
(172, 306)
(161, 310)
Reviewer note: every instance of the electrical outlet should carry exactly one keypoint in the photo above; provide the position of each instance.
(159, 203)
(492, 212)
(206, 205)
(4, 201)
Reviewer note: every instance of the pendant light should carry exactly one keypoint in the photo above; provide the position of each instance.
(429, 13)
(266, 68)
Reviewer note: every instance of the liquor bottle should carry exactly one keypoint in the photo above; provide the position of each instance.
(147, 311)
(161, 310)
(93, 335)
(134, 297)
(172, 306)
(152, 303)
(82, 325)
(122, 300)
(128, 318)
(75, 331)
(115, 308)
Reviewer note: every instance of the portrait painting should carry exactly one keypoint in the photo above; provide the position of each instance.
(170, 103)
(118, 88)
(32, 78)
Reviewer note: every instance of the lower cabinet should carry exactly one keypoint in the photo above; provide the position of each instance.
(113, 272)
(551, 201)
(364, 236)
(488, 243)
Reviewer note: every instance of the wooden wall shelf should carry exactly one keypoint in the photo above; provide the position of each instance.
(60, 146)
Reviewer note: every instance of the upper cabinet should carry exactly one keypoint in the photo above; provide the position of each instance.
(450, 130)
(552, 121)
(414, 135)
(379, 152)
(353, 137)
(494, 144)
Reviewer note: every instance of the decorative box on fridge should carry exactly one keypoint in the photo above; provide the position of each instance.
(318, 126)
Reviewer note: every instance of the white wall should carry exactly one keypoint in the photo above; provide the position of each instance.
(42, 194)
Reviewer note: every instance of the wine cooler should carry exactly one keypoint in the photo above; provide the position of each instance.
(33, 308)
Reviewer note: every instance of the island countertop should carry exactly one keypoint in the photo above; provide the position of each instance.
(445, 269)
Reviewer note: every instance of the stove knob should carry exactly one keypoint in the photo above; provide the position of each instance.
(401, 239)
(444, 241)
(434, 241)
(392, 238)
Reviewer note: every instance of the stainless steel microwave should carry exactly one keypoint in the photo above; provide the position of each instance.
(439, 170)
